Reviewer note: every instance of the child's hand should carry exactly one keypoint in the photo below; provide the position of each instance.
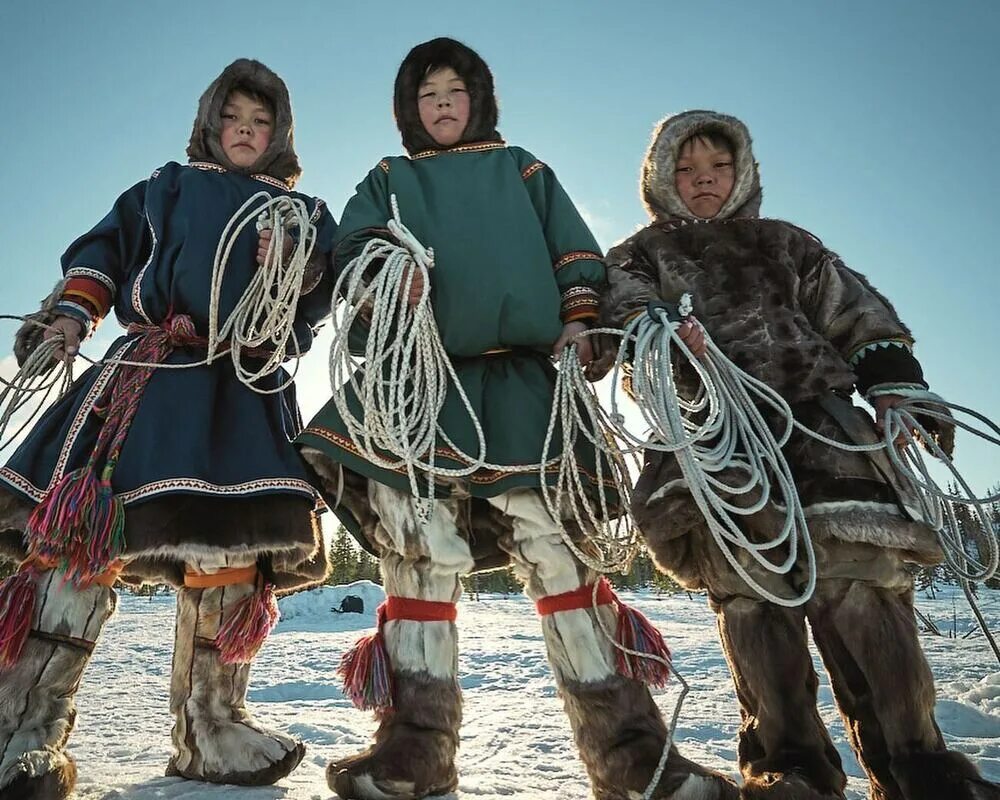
(584, 348)
(71, 330)
(416, 288)
(883, 403)
(693, 335)
(287, 245)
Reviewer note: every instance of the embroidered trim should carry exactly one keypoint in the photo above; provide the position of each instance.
(576, 255)
(884, 344)
(137, 284)
(384, 166)
(476, 147)
(193, 485)
(483, 477)
(279, 184)
(579, 291)
(532, 170)
(208, 166)
(92, 274)
(320, 204)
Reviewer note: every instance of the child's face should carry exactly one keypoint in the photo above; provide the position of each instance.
(246, 129)
(443, 103)
(704, 176)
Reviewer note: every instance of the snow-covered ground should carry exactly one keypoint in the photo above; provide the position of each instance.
(516, 743)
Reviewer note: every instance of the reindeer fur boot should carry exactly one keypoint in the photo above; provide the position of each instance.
(884, 688)
(413, 755)
(414, 751)
(621, 735)
(785, 751)
(618, 729)
(214, 737)
(37, 708)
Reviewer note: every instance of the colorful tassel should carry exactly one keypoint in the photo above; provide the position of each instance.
(105, 542)
(63, 518)
(637, 633)
(242, 635)
(17, 610)
(365, 671)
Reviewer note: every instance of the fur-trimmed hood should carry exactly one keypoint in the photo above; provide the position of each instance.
(426, 57)
(279, 160)
(659, 191)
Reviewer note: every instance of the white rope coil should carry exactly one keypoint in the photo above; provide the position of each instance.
(37, 378)
(406, 377)
(262, 320)
(264, 316)
(732, 434)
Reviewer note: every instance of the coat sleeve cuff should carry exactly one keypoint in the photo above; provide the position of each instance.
(888, 361)
(580, 303)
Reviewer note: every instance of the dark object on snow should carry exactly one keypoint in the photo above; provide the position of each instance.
(351, 604)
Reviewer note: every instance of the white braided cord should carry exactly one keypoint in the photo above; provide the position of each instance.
(262, 319)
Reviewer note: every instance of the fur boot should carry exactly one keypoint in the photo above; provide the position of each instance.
(618, 728)
(885, 691)
(37, 708)
(928, 776)
(415, 745)
(414, 751)
(785, 751)
(215, 739)
(621, 735)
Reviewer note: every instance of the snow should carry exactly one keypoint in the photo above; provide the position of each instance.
(516, 743)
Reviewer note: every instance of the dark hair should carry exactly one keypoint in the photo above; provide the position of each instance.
(712, 137)
(429, 57)
(253, 93)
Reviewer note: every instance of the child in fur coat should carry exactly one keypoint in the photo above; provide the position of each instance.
(787, 310)
(183, 476)
(516, 275)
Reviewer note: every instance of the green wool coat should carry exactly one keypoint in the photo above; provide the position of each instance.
(514, 261)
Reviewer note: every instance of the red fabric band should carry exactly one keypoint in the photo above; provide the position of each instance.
(578, 598)
(410, 608)
(92, 290)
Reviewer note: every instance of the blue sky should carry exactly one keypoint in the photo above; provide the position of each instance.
(876, 124)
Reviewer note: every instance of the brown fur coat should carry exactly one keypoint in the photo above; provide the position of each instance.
(786, 310)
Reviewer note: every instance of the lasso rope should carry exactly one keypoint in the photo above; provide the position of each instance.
(265, 313)
(261, 322)
(733, 434)
(406, 377)
(40, 374)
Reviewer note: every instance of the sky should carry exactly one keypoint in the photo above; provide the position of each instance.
(875, 124)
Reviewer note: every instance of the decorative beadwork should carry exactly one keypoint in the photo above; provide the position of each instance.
(576, 255)
(532, 170)
(475, 147)
(208, 166)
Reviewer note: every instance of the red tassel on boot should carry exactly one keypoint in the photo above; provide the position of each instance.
(242, 635)
(17, 610)
(634, 631)
(637, 633)
(365, 670)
